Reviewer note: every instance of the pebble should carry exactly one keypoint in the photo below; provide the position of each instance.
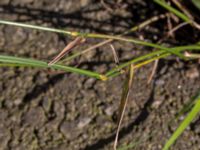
(84, 3)
(192, 73)
(160, 82)
(19, 36)
(83, 122)
(109, 111)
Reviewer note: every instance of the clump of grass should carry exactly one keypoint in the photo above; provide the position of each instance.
(159, 52)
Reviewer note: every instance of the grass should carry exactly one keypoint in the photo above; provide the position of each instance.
(159, 53)
(186, 122)
(28, 62)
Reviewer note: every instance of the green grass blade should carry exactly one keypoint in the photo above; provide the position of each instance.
(115, 71)
(139, 42)
(27, 62)
(135, 60)
(133, 29)
(196, 3)
(35, 27)
(190, 117)
(173, 10)
(92, 35)
(188, 106)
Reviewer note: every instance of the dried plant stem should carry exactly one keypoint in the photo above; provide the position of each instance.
(69, 47)
(138, 27)
(183, 9)
(153, 71)
(116, 58)
(123, 103)
(177, 27)
(178, 13)
(192, 55)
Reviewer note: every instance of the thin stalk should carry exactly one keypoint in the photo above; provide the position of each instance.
(139, 65)
(173, 10)
(148, 56)
(133, 29)
(135, 60)
(24, 25)
(178, 13)
(136, 41)
(93, 35)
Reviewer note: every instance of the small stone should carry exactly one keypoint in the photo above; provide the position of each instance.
(18, 101)
(192, 73)
(19, 36)
(34, 117)
(89, 83)
(179, 86)
(160, 82)
(83, 122)
(69, 131)
(156, 104)
(109, 111)
(84, 3)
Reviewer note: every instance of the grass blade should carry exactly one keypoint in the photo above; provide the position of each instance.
(115, 71)
(188, 106)
(190, 117)
(133, 29)
(123, 102)
(24, 25)
(27, 62)
(94, 35)
(173, 10)
(196, 3)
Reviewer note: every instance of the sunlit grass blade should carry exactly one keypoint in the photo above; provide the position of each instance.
(133, 61)
(27, 62)
(124, 100)
(188, 106)
(94, 35)
(133, 29)
(173, 10)
(16, 61)
(24, 25)
(141, 64)
(115, 71)
(186, 122)
(196, 3)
